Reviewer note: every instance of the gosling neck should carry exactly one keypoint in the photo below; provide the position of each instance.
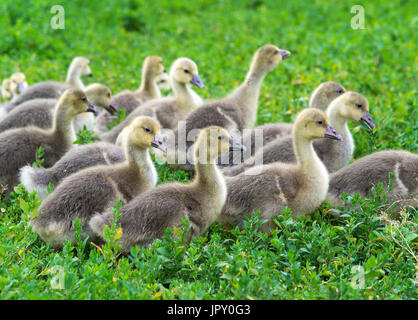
(318, 100)
(74, 77)
(339, 122)
(208, 174)
(149, 85)
(246, 95)
(62, 127)
(138, 159)
(185, 96)
(307, 159)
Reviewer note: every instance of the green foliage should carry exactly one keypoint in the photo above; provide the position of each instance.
(117, 118)
(366, 253)
(84, 136)
(39, 158)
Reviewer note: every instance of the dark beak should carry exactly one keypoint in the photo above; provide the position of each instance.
(20, 87)
(92, 108)
(331, 133)
(197, 81)
(284, 53)
(159, 143)
(367, 120)
(111, 109)
(235, 145)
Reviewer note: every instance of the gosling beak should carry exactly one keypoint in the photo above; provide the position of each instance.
(284, 53)
(92, 108)
(20, 87)
(197, 81)
(235, 145)
(331, 133)
(367, 120)
(159, 143)
(111, 109)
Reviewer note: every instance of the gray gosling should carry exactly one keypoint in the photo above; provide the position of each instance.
(40, 112)
(269, 188)
(163, 82)
(18, 147)
(169, 110)
(7, 91)
(152, 69)
(351, 106)
(97, 188)
(238, 110)
(323, 95)
(364, 173)
(19, 80)
(147, 216)
(13, 86)
(51, 89)
(18, 84)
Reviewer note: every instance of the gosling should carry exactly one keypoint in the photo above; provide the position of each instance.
(270, 188)
(96, 189)
(79, 67)
(18, 147)
(365, 173)
(147, 216)
(169, 110)
(351, 106)
(40, 112)
(152, 69)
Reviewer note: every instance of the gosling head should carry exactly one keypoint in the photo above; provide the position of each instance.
(100, 95)
(154, 65)
(185, 71)
(352, 106)
(314, 124)
(82, 65)
(144, 132)
(19, 81)
(267, 58)
(7, 91)
(73, 102)
(163, 81)
(212, 142)
(325, 93)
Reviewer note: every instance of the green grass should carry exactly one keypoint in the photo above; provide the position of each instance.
(311, 258)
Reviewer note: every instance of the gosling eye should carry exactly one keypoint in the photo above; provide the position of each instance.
(359, 105)
(340, 91)
(108, 95)
(84, 99)
(186, 71)
(220, 137)
(275, 52)
(320, 122)
(147, 130)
